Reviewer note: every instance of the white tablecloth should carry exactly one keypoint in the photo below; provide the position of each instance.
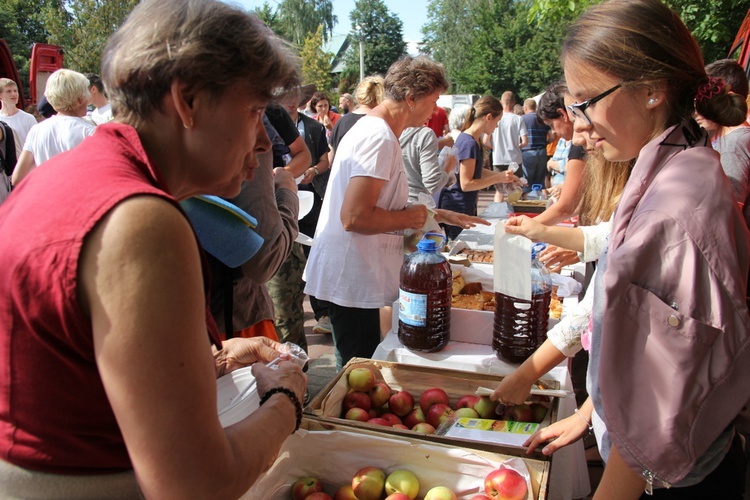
(569, 477)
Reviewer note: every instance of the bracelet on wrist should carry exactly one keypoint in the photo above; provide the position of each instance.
(292, 396)
(588, 423)
(315, 169)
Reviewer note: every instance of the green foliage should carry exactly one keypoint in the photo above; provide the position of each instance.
(487, 46)
(301, 18)
(271, 18)
(382, 32)
(21, 26)
(82, 28)
(316, 64)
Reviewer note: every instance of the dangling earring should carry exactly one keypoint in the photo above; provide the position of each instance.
(189, 124)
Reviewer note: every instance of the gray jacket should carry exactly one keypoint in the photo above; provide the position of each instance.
(419, 147)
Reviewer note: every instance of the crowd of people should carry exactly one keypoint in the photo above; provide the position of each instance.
(116, 323)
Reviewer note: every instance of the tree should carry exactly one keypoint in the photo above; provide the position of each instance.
(488, 47)
(316, 64)
(382, 32)
(713, 23)
(82, 28)
(300, 18)
(271, 18)
(21, 25)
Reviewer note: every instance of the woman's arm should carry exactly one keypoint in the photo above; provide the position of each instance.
(567, 237)
(468, 183)
(147, 310)
(619, 481)
(301, 158)
(514, 389)
(360, 213)
(570, 196)
(24, 165)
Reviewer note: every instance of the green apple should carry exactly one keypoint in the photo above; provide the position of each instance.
(402, 481)
(466, 413)
(361, 379)
(368, 483)
(485, 408)
(440, 493)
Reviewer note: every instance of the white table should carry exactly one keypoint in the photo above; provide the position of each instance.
(569, 477)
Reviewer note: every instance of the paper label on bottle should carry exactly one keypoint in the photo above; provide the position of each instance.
(412, 308)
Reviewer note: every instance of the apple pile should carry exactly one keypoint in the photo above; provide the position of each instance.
(376, 403)
(371, 483)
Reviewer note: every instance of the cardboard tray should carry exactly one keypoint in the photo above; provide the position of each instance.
(530, 206)
(333, 453)
(327, 405)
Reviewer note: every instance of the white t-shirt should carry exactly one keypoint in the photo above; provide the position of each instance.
(506, 140)
(21, 123)
(55, 135)
(352, 269)
(102, 115)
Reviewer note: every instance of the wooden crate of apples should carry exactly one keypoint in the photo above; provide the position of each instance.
(416, 400)
(334, 462)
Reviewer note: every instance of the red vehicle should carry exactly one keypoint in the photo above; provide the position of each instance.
(45, 59)
(741, 46)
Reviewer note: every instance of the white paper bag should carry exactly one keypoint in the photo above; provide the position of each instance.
(512, 264)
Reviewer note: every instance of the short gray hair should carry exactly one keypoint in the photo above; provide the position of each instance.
(206, 44)
(414, 77)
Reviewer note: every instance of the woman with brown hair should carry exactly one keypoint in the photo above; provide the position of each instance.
(320, 106)
(359, 240)
(670, 347)
(109, 381)
(463, 196)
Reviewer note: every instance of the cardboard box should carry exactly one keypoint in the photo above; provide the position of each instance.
(327, 405)
(334, 453)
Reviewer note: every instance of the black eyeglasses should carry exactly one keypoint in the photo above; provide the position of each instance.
(579, 109)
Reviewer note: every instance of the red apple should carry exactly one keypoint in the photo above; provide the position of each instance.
(368, 483)
(390, 417)
(505, 484)
(519, 413)
(357, 414)
(397, 496)
(373, 413)
(416, 416)
(485, 408)
(431, 397)
(437, 414)
(361, 379)
(402, 481)
(400, 426)
(305, 486)
(475, 497)
(379, 394)
(401, 403)
(466, 413)
(424, 428)
(357, 399)
(440, 493)
(379, 421)
(467, 401)
(319, 496)
(345, 493)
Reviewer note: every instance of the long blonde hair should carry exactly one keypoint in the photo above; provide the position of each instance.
(603, 182)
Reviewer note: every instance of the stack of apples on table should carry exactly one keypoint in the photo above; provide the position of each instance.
(371, 483)
(376, 403)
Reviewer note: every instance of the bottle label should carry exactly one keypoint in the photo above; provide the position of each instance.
(412, 309)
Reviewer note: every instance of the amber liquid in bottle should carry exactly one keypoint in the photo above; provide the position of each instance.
(432, 280)
(520, 325)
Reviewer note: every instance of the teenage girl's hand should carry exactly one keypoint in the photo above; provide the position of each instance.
(559, 434)
(555, 258)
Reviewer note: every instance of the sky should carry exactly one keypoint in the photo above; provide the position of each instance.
(413, 15)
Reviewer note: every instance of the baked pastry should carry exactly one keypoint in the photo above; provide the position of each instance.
(472, 288)
(483, 256)
(458, 284)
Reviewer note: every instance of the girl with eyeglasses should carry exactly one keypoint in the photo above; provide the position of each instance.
(670, 356)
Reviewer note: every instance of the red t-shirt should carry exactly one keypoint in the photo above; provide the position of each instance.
(438, 121)
(54, 413)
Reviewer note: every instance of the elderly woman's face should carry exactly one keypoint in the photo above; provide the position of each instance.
(322, 107)
(227, 136)
(423, 108)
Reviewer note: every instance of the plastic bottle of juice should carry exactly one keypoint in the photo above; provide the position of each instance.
(424, 316)
(521, 325)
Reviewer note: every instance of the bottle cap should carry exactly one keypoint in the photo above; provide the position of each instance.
(536, 249)
(536, 187)
(429, 242)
